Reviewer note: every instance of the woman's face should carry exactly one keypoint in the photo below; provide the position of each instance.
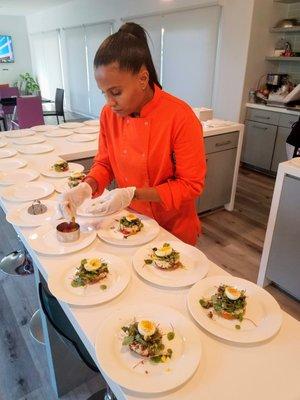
(123, 90)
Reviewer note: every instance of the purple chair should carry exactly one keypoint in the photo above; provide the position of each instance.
(29, 112)
(8, 92)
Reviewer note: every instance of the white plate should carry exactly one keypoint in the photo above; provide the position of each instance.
(92, 122)
(78, 138)
(110, 234)
(62, 186)
(58, 133)
(116, 281)
(295, 161)
(73, 167)
(3, 143)
(29, 140)
(19, 133)
(28, 191)
(8, 165)
(20, 217)
(6, 153)
(87, 129)
(43, 128)
(36, 149)
(120, 364)
(71, 125)
(194, 261)
(18, 176)
(261, 308)
(43, 240)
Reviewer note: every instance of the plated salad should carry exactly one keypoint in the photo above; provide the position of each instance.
(165, 258)
(145, 339)
(60, 166)
(75, 178)
(89, 272)
(129, 225)
(227, 302)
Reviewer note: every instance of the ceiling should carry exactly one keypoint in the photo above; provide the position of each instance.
(25, 7)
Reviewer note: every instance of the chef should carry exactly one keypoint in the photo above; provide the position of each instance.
(150, 142)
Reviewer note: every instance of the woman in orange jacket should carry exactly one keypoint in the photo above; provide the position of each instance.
(150, 142)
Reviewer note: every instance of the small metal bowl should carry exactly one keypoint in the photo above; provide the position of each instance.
(67, 232)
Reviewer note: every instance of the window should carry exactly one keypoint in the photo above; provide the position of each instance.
(46, 62)
(95, 34)
(184, 46)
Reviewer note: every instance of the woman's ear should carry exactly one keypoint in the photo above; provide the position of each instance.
(143, 78)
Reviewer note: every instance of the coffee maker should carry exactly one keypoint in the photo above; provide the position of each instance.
(276, 81)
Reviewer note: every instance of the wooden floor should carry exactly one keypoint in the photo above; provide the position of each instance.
(233, 240)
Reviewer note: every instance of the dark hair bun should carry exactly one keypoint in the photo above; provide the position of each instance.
(135, 30)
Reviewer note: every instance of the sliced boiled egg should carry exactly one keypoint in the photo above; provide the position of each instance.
(146, 327)
(92, 264)
(76, 175)
(232, 293)
(164, 251)
(131, 217)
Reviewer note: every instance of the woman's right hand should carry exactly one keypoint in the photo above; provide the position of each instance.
(70, 200)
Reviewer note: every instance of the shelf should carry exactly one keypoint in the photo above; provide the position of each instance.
(295, 29)
(283, 59)
(287, 1)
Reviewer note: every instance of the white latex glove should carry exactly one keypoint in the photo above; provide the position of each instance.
(113, 201)
(70, 200)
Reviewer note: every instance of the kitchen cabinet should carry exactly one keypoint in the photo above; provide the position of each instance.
(283, 265)
(221, 151)
(279, 154)
(265, 137)
(259, 143)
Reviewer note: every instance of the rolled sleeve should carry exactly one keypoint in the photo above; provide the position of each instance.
(190, 165)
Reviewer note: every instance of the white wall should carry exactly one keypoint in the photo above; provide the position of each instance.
(233, 43)
(17, 28)
(265, 14)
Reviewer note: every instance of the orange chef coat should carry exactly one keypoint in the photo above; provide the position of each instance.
(163, 148)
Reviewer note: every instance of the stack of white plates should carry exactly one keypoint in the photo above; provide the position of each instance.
(19, 133)
(92, 122)
(6, 153)
(43, 128)
(71, 125)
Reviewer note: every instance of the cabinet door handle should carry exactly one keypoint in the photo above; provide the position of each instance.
(263, 128)
(223, 143)
(262, 117)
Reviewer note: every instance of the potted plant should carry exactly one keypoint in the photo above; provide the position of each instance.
(27, 84)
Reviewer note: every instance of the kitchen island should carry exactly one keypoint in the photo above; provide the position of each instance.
(280, 262)
(227, 370)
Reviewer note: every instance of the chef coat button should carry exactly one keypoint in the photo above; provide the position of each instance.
(127, 121)
(126, 179)
(143, 154)
(125, 151)
(146, 122)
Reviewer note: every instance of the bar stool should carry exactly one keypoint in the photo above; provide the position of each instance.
(58, 320)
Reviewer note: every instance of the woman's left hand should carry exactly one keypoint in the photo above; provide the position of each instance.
(114, 201)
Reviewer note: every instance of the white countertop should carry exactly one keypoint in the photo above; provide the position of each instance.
(275, 109)
(290, 167)
(227, 371)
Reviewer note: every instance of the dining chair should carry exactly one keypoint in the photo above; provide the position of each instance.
(58, 320)
(59, 106)
(4, 85)
(29, 112)
(2, 120)
(9, 92)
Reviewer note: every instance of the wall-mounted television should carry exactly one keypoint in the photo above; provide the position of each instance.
(6, 49)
